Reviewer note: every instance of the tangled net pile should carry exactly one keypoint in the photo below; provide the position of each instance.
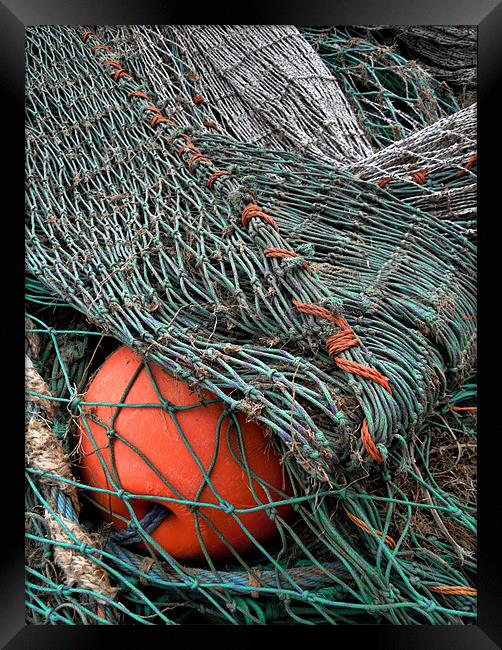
(325, 294)
(448, 51)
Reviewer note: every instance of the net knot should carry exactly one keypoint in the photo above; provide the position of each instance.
(74, 405)
(341, 341)
(272, 513)
(85, 549)
(167, 406)
(122, 495)
(227, 507)
(428, 605)
(62, 589)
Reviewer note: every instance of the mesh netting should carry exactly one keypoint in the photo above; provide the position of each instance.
(448, 51)
(433, 169)
(329, 564)
(311, 302)
(264, 85)
(392, 96)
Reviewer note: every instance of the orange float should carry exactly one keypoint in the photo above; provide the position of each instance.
(151, 459)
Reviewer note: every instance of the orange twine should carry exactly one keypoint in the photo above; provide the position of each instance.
(452, 590)
(119, 74)
(211, 180)
(115, 64)
(338, 343)
(369, 443)
(95, 48)
(361, 524)
(315, 310)
(252, 210)
(468, 165)
(420, 176)
(197, 157)
(138, 93)
(283, 252)
(210, 125)
(157, 119)
(187, 147)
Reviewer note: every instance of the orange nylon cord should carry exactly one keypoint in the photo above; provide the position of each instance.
(187, 147)
(468, 165)
(115, 64)
(360, 523)
(363, 371)
(217, 174)
(343, 340)
(210, 125)
(384, 181)
(283, 252)
(86, 35)
(252, 210)
(153, 108)
(314, 310)
(452, 590)
(420, 176)
(119, 74)
(340, 342)
(157, 119)
(369, 443)
(198, 99)
(197, 157)
(138, 93)
(472, 409)
(95, 48)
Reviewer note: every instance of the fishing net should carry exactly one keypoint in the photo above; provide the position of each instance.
(448, 51)
(264, 85)
(392, 96)
(329, 572)
(433, 169)
(315, 303)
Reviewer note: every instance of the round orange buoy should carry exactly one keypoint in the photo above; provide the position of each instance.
(156, 445)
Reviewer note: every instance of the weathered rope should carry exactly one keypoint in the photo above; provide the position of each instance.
(45, 454)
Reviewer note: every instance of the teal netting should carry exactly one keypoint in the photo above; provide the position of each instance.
(338, 317)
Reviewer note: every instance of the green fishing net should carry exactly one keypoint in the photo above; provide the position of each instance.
(327, 309)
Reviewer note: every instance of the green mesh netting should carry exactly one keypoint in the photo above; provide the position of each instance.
(133, 228)
(328, 565)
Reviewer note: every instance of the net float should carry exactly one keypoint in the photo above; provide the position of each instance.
(145, 436)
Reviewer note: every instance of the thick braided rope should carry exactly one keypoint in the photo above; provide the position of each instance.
(45, 454)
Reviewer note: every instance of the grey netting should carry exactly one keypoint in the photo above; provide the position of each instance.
(264, 84)
(432, 169)
(317, 303)
(448, 51)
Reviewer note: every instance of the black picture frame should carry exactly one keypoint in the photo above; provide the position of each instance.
(15, 15)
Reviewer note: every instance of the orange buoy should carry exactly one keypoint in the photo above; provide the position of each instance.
(148, 448)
